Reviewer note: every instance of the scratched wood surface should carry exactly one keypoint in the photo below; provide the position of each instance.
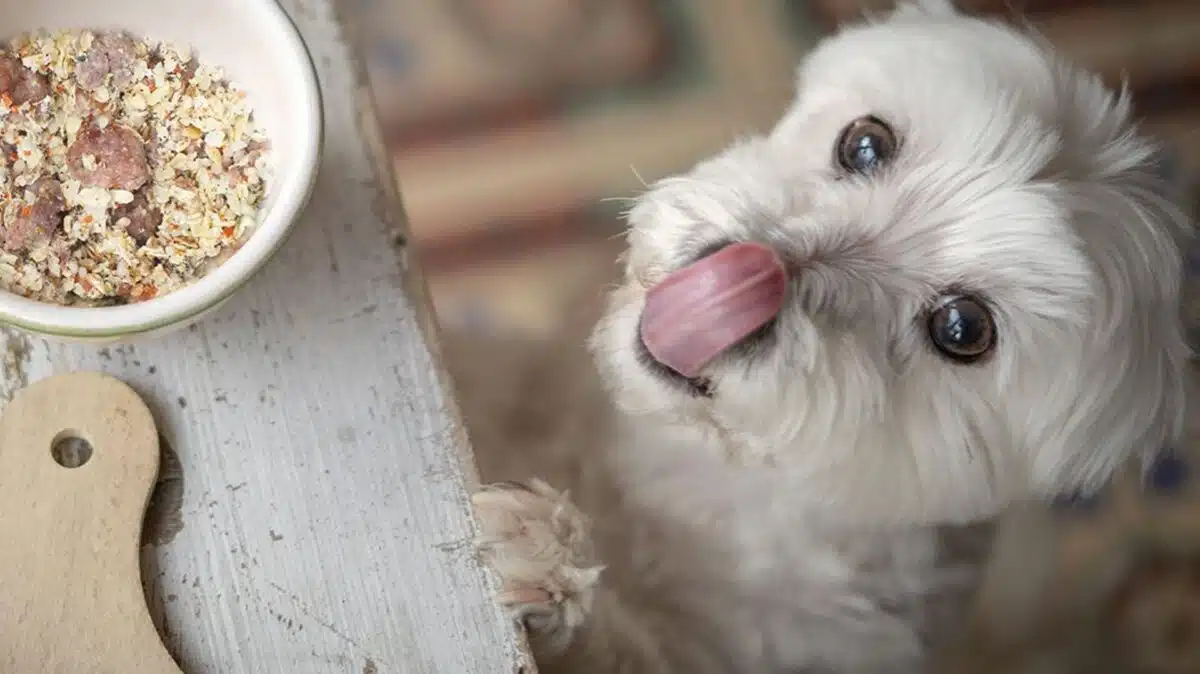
(312, 513)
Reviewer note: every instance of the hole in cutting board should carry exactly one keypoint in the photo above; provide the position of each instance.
(70, 450)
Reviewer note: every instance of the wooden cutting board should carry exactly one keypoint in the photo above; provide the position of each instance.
(78, 459)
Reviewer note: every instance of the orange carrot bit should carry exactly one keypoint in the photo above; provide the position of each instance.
(26, 211)
(227, 231)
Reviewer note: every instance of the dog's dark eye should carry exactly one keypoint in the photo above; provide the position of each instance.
(866, 145)
(961, 328)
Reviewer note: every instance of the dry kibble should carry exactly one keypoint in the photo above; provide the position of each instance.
(129, 168)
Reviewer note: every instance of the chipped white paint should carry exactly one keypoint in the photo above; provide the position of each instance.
(325, 521)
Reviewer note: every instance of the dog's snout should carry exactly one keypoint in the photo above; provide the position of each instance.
(709, 306)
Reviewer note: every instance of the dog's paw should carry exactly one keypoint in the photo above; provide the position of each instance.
(539, 545)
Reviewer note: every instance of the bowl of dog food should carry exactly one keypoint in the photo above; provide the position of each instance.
(156, 154)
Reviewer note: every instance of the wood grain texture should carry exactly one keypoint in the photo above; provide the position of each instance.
(312, 514)
(70, 522)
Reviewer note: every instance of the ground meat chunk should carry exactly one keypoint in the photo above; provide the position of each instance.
(112, 157)
(21, 84)
(38, 218)
(139, 218)
(114, 53)
(188, 71)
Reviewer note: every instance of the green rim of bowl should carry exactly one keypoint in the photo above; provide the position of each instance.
(133, 331)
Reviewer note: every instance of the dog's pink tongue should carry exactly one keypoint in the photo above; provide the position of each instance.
(700, 311)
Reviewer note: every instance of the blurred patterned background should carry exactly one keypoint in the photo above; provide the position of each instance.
(519, 126)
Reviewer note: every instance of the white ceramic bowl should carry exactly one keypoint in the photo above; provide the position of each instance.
(262, 53)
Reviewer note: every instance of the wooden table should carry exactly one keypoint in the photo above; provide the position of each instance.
(312, 513)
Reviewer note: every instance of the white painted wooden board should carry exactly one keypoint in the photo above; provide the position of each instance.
(316, 519)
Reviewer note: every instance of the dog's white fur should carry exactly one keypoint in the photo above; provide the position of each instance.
(791, 521)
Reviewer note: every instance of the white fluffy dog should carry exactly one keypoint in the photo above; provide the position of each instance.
(947, 282)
